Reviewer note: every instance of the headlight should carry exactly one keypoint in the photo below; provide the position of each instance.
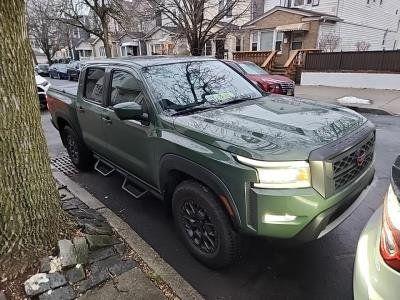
(280, 175)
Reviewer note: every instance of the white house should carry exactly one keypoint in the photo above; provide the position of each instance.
(374, 22)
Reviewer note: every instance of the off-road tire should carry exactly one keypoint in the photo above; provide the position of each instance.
(78, 152)
(227, 250)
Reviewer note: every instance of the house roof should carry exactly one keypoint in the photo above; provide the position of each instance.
(303, 12)
(168, 29)
(132, 34)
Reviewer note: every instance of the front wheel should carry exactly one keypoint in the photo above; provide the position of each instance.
(79, 154)
(204, 225)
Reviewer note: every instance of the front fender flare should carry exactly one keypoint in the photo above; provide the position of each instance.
(171, 162)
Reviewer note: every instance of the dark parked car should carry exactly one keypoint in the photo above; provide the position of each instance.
(42, 69)
(58, 71)
(275, 84)
(73, 70)
(225, 158)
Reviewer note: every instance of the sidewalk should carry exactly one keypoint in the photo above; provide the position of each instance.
(106, 260)
(382, 101)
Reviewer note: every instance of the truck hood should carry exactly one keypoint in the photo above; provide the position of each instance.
(270, 128)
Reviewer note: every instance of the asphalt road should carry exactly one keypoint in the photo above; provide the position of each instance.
(322, 269)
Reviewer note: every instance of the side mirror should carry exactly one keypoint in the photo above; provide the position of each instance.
(130, 111)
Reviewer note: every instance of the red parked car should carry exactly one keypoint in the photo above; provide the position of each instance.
(275, 84)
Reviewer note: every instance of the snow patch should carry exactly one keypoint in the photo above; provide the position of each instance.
(55, 265)
(353, 100)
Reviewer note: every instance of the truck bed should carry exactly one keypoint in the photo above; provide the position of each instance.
(61, 105)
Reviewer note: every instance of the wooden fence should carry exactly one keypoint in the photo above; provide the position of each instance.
(365, 61)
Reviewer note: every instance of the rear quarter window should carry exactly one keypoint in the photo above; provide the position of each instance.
(94, 84)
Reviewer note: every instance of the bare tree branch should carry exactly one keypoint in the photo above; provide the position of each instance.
(201, 20)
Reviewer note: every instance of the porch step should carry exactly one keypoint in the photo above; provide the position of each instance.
(278, 70)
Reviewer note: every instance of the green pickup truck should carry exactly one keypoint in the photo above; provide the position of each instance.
(225, 158)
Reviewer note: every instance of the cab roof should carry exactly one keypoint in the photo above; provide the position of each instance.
(147, 61)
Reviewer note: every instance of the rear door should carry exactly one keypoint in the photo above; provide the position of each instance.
(90, 108)
(130, 142)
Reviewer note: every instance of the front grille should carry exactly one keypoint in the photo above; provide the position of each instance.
(350, 165)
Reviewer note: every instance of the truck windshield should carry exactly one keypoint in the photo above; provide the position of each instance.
(197, 83)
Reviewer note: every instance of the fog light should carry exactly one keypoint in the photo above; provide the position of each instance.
(278, 218)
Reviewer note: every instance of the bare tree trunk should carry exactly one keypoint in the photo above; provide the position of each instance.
(30, 214)
(196, 48)
(105, 39)
(48, 56)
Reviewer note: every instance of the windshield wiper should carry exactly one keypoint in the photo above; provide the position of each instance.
(191, 109)
(234, 101)
(199, 107)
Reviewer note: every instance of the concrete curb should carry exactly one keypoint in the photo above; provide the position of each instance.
(178, 284)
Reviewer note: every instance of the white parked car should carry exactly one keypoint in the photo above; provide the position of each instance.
(377, 264)
(42, 87)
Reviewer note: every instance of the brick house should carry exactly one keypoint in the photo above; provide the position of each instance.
(283, 30)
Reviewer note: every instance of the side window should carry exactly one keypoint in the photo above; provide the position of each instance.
(94, 84)
(125, 88)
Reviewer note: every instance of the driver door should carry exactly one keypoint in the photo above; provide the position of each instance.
(130, 142)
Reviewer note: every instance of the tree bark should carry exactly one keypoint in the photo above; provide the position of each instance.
(31, 217)
(105, 39)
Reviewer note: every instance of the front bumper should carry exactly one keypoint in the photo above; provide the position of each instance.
(373, 279)
(315, 214)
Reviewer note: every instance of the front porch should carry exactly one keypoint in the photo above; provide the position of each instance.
(274, 64)
(279, 39)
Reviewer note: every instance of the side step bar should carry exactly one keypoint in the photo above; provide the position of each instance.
(103, 168)
(136, 189)
(129, 187)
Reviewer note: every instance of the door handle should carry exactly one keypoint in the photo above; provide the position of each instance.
(81, 109)
(106, 119)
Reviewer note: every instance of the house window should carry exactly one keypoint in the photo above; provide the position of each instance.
(87, 53)
(254, 41)
(297, 40)
(102, 51)
(278, 41)
(238, 44)
(298, 2)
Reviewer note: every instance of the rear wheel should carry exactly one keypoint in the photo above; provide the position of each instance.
(204, 225)
(79, 154)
